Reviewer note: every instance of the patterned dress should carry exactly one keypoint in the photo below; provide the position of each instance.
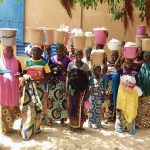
(33, 101)
(143, 117)
(9, 92)
(127, 104)
(57, 103)
(96, 99)
(111, 84)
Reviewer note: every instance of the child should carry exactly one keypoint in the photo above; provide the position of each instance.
(127, 99)
(72, 53)
(87, 57)
(96, 97)
(111, 83)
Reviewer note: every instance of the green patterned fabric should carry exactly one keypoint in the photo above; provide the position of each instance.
(31, 62)
(57, 101)
(144, 79)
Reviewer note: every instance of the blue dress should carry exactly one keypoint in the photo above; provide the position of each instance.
(96, 99)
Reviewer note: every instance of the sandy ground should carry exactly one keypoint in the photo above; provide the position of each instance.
(60, 138)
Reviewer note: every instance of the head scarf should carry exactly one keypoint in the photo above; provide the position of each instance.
(28, 49)
(9, 84)
(36, 46)
(146, 53)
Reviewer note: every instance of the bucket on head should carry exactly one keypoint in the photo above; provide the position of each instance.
(97, 57)
(36, 36)
(114, 45)
(8, 36)
(141, 30)
(49, 36)
(146, 44)
(60, 36)
(100, 36)
(138, 40)
(130, 50)
(89, 41)
(79, 42)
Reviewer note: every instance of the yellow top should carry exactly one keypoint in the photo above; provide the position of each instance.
(37, 63)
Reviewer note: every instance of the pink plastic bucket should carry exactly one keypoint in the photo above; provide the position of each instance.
(87, 105)
(141, 30)
(100, 36)
(130, 52)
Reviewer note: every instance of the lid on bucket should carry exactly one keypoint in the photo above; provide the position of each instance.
(114, 41)
(102, 28)
(8, 29)
(130, 44)
(89, 34)
(97, 51)
(64, 28)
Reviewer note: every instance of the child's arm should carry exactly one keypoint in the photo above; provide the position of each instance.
(119, 63)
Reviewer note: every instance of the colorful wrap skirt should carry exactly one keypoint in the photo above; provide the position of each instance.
(31, 110)
(57, 103)
(77, 114)
(96, 99)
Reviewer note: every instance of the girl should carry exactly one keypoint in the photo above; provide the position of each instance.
(111, 83)
(76, 85)
(96, 97)
(87, 58)
(10, 70)
(127, 99)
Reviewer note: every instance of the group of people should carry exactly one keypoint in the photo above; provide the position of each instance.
(67, 86)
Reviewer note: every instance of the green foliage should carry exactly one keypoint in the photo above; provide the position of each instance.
(140, 4)
(1, 1)
(115, 7)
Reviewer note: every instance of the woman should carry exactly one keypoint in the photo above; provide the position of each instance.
(72, 53)
(143, 118)
(77, 85)
(87, 58)
(96, 97)
(10, 69)
(57, 98)
(33, 103)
